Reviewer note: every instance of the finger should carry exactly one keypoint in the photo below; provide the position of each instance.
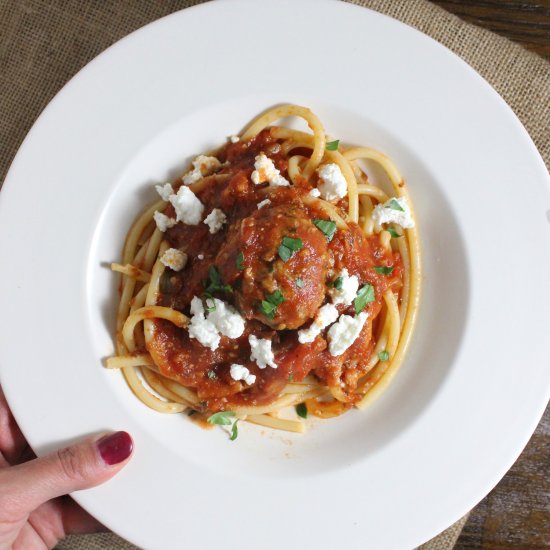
(80, 466)
(12, 441)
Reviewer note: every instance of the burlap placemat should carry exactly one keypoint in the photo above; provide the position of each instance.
(43, 43)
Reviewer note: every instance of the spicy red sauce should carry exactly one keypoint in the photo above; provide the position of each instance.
(253, 236)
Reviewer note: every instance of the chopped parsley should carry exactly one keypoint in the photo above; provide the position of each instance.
(394, 205)
(299, 282)
(393, 232)
(222, 418)
(210, 305)
(301, 410)
(327, 227)
(239, 261)
(269, 305)
(215, 283)
(364, 297)
(288, 247)
(338, 283)
(384, 270)
(290, 377)
(234, 431)
(332, 145)
(211, 374)
(383, 355)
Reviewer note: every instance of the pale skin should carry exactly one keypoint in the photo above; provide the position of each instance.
(35, 512)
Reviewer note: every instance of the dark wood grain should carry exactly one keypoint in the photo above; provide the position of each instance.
(524, 21)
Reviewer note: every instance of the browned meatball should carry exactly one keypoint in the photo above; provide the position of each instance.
(300, 279)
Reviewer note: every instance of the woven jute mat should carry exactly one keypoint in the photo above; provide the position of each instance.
(43, 43)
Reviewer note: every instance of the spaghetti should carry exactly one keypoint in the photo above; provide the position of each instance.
(274, 274)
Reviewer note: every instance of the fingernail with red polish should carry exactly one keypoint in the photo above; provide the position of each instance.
(115, 447)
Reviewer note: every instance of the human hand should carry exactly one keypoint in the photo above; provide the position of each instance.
(33, 511)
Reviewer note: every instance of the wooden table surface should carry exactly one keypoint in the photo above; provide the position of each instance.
(516, 514)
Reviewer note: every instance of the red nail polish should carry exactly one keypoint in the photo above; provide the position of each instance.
(115, 447)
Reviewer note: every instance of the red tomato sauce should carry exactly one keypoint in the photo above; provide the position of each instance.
(245, 252)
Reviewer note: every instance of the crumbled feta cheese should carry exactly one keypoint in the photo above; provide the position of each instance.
(200, 257)
(315, 192)
(265, 171)
(174, 259)
(226, 319)
(215, 220)
(263, 203)
(188, 207)
(234, 139)
(202, 329)
(165, 191)
(333, 183)
(387, 213)
(342, 334)
(238, 372)
(260, 351)
(326, 315)
(163, 221)
(349, 289)
(202, 166)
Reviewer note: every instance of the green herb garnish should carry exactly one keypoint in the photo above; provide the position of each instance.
(301, 410)
(215, 283)
(338, 283)
(239, 262)
(222, 418)
(394, 205)
(290, 377)
(211, 374)
(299, 282)
(328, 228)
(210, 305)
(364, 297)
(383, 270)
(234, 431)
(268, 309)
(332, 145)
(393, 232)
(288, 247)
(269, 305)
(383, 355)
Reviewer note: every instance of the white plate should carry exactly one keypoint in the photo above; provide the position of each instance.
(476, 380)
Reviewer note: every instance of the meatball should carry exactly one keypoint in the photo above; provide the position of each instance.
(281, 288)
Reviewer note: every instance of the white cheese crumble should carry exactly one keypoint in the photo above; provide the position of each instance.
(215, 220)
(333, 183)
(174, 259)
(342, 334)
(326, 315)
(263, 203)
(226, 319)
(238, 372)
(315, 192)
(163, 221)
(201, 328)
(260, 351)
(347, 294)
(384, 213)
(188, 207)
(165, 191)
(202, 166)
(265, 171)
(234, 139)
(200, 257)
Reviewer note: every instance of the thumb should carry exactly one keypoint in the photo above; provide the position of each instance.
(80, 466)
